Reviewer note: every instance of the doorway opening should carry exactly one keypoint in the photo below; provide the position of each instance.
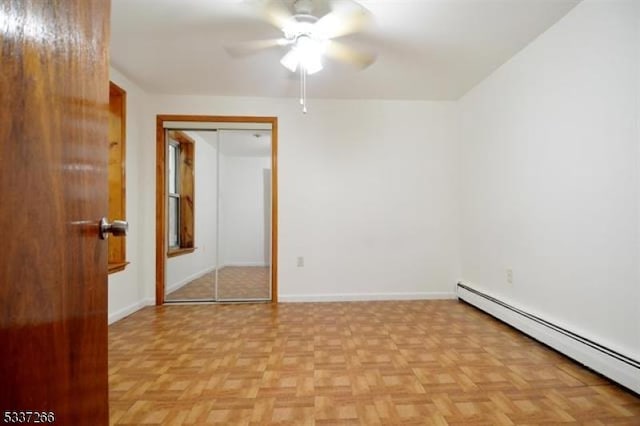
(216, 209)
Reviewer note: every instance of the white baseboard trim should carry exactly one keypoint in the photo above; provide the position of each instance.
(128, 310)
(175, 286)
(617, 367)
(362, 297)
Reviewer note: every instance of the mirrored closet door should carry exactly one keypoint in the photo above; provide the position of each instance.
(244, 220)
(218, 208)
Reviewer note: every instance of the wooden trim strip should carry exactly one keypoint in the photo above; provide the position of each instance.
(180, 251)
(160, 211)
(217, 118)
(117, 247)
(117, 267)
(274, 211)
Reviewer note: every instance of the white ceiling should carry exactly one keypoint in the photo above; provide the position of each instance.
(427, 49)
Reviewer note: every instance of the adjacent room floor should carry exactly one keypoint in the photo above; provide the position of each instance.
(234, 283)
(409, 362)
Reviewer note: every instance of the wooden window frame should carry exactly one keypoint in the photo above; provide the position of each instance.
(185, 176)
(117, 247)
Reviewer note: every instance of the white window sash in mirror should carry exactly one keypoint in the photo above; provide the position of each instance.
(174, 196)
(174, 153)
(174, 220)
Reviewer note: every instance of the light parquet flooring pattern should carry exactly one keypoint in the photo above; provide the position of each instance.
(234, 283)
(362, 363)
(201, 288)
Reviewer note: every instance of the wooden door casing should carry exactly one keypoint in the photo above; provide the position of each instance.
(117, 247)
(53, 189)
(161, 192)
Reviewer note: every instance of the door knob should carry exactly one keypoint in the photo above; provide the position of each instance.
(117, 228)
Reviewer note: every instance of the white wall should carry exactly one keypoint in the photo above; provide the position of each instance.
(541, 161)
(126, 288)
(536, 169)
(638, 116)
(637, 260)
(550, 176)
(242, 210)
(185, 268)
(367, 194)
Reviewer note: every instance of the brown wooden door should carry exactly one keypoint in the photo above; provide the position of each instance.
(53, 190)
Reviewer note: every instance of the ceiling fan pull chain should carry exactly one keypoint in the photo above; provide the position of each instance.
(301, 85)
(308, 30)
(304, 91)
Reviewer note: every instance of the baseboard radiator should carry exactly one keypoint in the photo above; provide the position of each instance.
(608, 362)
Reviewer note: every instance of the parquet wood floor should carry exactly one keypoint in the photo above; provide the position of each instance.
(364, 363)
(234, 283)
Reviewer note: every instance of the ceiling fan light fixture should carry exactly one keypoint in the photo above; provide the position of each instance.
(306, 53)
(312, 65)
(310, 53)
(309, 27)
(296, 28)
(290, 60)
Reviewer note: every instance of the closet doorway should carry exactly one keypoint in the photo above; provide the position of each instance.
(216, 204)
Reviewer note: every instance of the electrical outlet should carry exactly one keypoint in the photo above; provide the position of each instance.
(509, 276)
(300, 262)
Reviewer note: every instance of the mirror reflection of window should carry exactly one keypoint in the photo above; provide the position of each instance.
(174, 197)
(173, 159)
(180, 170)
(174, 241)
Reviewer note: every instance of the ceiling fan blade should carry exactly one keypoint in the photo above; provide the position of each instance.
(344, 53)
(346, 17)
(276, 12)
(245, 48)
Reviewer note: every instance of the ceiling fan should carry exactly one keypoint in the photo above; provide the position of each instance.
(309, 29)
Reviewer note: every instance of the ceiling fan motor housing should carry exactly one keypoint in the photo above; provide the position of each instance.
(301, 24)
(303, 7)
